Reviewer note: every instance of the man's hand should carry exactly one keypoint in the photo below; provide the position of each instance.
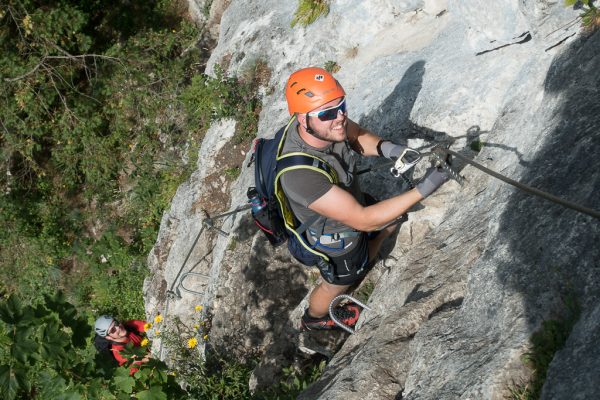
(393, 151)
(433, 179)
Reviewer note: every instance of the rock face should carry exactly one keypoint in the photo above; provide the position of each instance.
(477, 269)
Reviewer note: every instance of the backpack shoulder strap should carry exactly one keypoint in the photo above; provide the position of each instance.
(298, 160)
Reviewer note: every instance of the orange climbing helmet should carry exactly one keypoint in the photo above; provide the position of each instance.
(309, 88)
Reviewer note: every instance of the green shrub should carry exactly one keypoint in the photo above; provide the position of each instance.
(545, 343)
(208, 99)
(92, 141)
(332, 67)
(309, 11)
(590, 15)
(45, 353)
(476, 145)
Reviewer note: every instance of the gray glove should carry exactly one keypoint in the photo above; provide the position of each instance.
(393, 151)
(433, 179)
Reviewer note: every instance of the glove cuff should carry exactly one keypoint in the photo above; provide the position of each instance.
(379, 147)
(385, 147)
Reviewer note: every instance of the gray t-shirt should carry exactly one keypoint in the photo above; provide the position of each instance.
(303, 186)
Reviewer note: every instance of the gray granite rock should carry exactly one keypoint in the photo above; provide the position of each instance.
(476, 269)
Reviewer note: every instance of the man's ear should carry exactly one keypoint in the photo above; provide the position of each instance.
(301, 120)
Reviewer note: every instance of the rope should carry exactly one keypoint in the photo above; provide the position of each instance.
(525, 188)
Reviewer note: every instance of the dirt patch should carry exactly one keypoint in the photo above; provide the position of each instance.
(216, 196)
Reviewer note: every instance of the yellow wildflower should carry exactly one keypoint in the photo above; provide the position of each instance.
(198, 308)
(158, 318)
(196, 326)
(205, 337)
(192, 342)
(147, 326)
(144, 342)
(28, 25)
(156, 332)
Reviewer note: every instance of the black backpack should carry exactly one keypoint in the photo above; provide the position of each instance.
(270, 208)
(103, 345)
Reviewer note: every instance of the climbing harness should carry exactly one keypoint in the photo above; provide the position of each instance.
(334, 303)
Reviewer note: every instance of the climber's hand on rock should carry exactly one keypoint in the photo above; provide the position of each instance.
(393, 151)
(434, 178)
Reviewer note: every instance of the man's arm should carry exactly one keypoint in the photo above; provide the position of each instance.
(339, 205)
(362, 140)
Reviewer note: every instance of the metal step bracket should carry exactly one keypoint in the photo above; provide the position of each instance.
(334, 303)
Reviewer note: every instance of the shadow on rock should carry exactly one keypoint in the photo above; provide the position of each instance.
(555, 251)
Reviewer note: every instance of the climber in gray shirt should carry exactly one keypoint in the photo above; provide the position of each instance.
(323, 129)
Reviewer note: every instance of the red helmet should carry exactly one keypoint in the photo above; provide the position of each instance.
(309, 88)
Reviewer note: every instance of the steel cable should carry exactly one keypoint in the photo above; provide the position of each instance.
(523, 187)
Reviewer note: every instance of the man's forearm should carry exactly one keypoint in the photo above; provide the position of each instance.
(362, 140)
(386, 211)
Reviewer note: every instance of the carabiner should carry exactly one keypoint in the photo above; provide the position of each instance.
(401, 165)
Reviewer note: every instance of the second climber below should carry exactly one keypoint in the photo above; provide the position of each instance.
(322, 128)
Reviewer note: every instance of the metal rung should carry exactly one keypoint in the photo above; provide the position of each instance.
(334, 303)
(186, 289)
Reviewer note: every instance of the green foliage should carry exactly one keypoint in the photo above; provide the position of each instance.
(211, 98)
(590, 16)
(476, 145)
(233, 173)
(295, 381)
(331, 67)
(365, 290)
(45, 353)
(42, 348)
(113, 282)
(95, 141)
(309, 11)
(91, 142)
(545, 343)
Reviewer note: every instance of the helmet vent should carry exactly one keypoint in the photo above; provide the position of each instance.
(309, 94)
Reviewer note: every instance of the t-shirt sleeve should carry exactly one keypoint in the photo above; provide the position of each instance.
(116, 349)
(304, 186)
(135, 325)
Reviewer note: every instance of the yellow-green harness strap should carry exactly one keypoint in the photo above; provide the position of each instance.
(293, 161)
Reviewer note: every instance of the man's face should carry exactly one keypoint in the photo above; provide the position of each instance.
(332, 130)
(116, 330)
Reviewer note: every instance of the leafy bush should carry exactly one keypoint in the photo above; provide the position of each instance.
(551, 337)
(590, 16)
(309, 11)
(95, 140)
(208, 99)
(45, 353)
(332, 67)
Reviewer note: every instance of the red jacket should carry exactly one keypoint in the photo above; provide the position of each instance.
(135, 329)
